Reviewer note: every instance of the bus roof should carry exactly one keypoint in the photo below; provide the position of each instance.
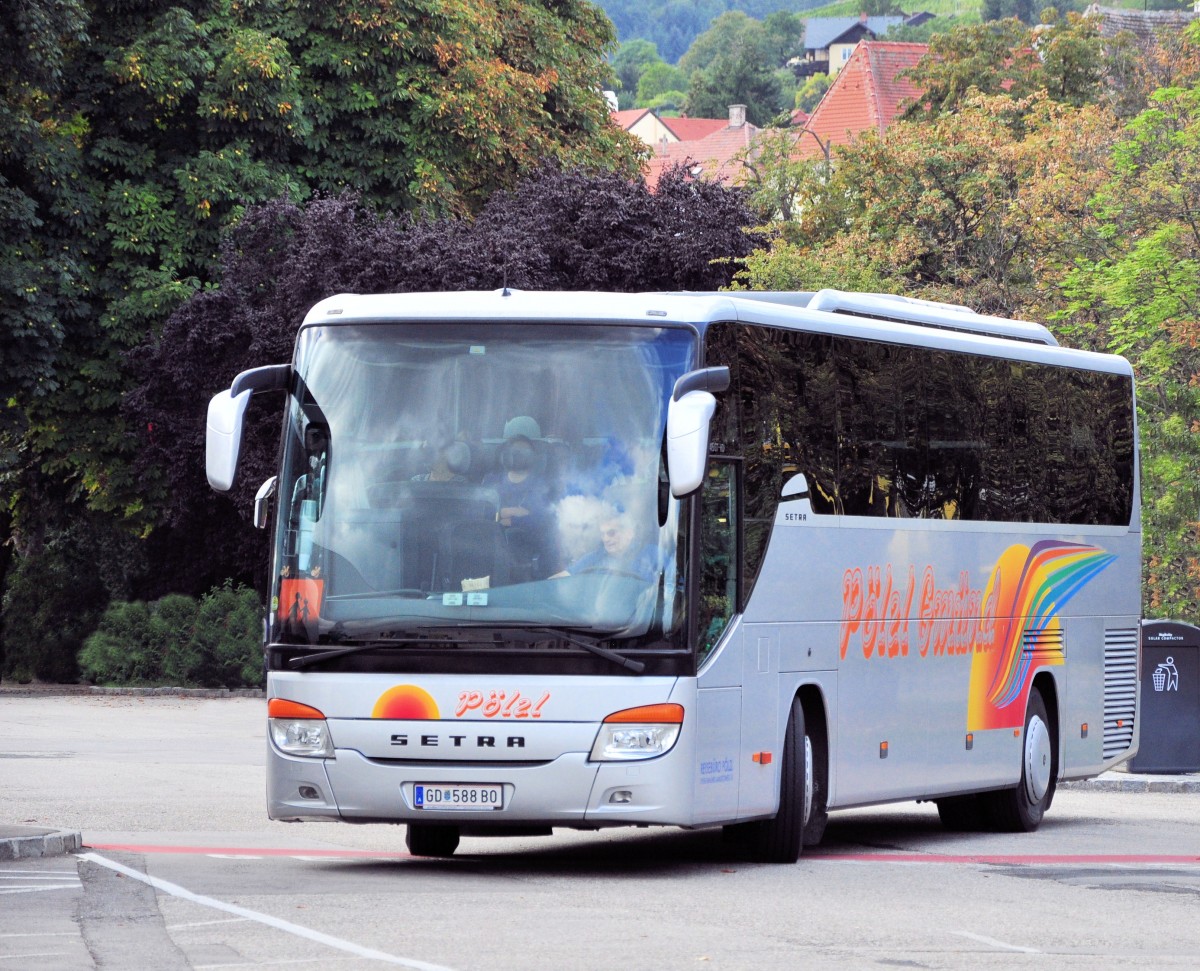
(884, 317)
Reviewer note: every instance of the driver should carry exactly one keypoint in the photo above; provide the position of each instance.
(618, 553)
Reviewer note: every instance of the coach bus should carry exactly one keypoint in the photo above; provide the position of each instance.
(701, 560)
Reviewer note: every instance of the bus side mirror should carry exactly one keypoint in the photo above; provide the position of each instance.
(687, 441)
(262, 502)
(223, 435)
(688, 416)
(223, 438)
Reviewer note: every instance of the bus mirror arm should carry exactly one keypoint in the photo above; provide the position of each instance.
(711, 379)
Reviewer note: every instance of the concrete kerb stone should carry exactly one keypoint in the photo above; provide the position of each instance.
(39, 690)
(29, 842)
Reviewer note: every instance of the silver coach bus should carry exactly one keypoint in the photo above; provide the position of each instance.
(587, 559)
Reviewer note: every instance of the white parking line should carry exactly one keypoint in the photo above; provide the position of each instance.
(308, 933)
(992, 942)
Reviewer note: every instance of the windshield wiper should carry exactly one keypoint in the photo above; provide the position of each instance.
(375, 643)
(362, 646)
(637, 667)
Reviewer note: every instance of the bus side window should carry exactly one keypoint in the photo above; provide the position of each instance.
(719, 557)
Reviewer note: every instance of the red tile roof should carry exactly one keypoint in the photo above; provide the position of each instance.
(866, 95)
(693, 129)
(628, 118)
(718, 155)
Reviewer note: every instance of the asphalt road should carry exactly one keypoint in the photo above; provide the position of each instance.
(181, 869)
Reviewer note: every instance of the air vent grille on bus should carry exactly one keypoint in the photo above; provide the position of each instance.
(1044, 642)
(1120, 690)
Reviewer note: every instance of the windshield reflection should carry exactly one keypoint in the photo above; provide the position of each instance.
(490, 474)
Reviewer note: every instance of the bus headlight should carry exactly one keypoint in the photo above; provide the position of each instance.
(298, 729)
(638, 733)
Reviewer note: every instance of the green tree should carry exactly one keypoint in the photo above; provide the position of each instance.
(1141, 298)
(133, 136)
(967, 207)
(992, 58)
(632, 59)
(658, 82)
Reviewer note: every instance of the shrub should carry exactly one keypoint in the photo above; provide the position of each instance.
(228, 636)
(215, 642)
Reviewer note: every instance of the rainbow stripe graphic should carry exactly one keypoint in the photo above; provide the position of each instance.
(1027, 590)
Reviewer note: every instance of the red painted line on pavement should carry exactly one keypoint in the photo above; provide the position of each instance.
(1000, 859)
(245, 851)
(1007, 859)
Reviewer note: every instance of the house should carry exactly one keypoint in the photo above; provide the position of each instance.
(1145, 25)
(867, 95)
(654, 130)
(717, 155)
(829, 41)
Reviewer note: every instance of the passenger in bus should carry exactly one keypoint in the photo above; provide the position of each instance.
(619, 553)
(451, 462)
(524, 493)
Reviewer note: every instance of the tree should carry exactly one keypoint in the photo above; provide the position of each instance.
(731, 81)
(660, 81)
(555, 230)
(1141, 298)
(632, 59)
(966, 207)
(132, 136)
(992, 58)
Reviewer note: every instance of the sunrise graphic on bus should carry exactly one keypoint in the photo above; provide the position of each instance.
(406, 702)
(1028, 589)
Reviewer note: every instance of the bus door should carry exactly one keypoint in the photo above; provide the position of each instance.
(760, 752)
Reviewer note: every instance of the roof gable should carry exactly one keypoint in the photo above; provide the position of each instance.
(820, 32)
(866, 95)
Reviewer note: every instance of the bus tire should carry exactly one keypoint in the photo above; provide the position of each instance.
(1021, 808)
(425, 840)
(780, 839)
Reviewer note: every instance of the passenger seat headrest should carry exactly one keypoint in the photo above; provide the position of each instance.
(458, 458)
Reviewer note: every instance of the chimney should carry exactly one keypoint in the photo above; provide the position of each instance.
(737, 116)
(862, 17)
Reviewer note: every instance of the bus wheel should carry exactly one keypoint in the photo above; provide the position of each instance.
(1020, 809)
(780, 840)
(816, 793)
(423, 840)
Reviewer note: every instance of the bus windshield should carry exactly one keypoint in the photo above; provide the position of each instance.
(487, 475)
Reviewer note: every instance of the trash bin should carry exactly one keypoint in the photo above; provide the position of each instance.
(1170, 710)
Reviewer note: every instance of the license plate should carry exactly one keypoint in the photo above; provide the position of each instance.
(459, 797)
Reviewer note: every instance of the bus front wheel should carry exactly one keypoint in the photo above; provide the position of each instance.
(425, 840)
(1020, 809)
(780, 840)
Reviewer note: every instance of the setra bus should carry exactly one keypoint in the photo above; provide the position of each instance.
(741, 559)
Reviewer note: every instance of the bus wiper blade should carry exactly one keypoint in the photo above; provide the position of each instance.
(637, 667)
(374, 643)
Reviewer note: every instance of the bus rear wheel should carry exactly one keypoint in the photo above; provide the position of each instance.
(780, 840)
(425, 840)
(1020, 809)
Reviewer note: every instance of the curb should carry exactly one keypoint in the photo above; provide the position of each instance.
(83, 690)
(29, 842)
(1171, 783)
